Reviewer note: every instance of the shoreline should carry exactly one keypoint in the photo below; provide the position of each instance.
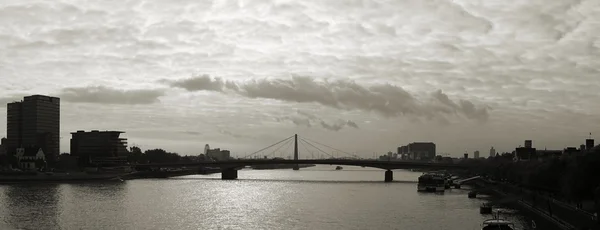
(547, 213)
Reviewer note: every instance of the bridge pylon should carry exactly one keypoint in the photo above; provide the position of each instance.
(296, 167)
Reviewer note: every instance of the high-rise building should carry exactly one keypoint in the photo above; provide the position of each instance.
(476, 154)
(35, 122)
(421, 150)
(95, 147)
(492, 152)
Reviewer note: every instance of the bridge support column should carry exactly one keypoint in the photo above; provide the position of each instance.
(389, 176)
(296, 167)
(229, 174)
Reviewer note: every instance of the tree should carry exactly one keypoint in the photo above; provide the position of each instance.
(40, 164)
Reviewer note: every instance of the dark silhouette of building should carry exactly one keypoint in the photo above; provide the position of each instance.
(528, 144)
(218, 154)
(99, 148)
(524, 153)
(421, 150)
(589, 143)
(34, 122)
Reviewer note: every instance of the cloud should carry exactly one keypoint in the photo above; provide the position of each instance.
(337, 126)
(6, 100)
(386, 99)
(234, 134)
(307, 120)
(105, 95)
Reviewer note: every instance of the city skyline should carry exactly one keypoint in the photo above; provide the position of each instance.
(243, 76)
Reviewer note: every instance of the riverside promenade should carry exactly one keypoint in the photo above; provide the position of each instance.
(560, 213)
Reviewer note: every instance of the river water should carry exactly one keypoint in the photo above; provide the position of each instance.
(312, 198)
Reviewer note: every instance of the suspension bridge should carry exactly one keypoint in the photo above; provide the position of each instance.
(229, 168)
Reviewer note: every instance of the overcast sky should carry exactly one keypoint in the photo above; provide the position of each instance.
(362, 76)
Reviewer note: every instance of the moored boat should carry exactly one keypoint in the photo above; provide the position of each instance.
(431, 183)
(497, 224)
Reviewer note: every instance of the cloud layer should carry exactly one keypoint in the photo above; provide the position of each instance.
(306, 119)
(385, 99)
(535, 62)
(105, 95)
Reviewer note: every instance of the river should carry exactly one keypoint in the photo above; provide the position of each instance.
(312, 198)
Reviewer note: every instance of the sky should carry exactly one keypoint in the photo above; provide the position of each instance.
(362, 76)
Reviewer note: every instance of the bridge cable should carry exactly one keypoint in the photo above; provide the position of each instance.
(248, 155)
(284, 144)
(307, 149)
(352, 155)
(316, 148)
(286, 150)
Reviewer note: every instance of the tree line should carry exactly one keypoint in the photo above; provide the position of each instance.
(575, 177)
(156, 156)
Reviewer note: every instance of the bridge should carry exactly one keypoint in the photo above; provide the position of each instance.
(229, 168)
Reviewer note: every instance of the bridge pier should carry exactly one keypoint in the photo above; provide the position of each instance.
(389, 176)
(229, 174)
(296, 167)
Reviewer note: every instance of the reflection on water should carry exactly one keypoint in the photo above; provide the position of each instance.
(270, 199)
(29, 204)
(47, 206)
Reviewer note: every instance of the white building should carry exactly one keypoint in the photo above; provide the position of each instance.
(27, 157)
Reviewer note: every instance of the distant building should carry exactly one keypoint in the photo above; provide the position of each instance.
(589, 143)
(492, 152)
(476, 154)
(206, 149)
(528, 144)
(34, 122)
(466, 156)
(421, 151)
(571, 151)
(99, 148)
(218, 154)
(547, 154)
(27, 158)
(525, 154)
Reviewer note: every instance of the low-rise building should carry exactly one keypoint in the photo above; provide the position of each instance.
(30, 158)
(99, 148)
(218, 154)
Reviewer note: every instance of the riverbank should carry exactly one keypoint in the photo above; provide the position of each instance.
(33, 177)
(545, 212)
(280, 166)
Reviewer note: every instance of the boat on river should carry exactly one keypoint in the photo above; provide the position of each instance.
(497, 224)
(431, 182)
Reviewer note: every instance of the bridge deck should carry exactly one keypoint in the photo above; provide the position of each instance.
(365, 163)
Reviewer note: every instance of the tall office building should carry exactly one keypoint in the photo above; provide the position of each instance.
(476, 154)
(34, 122)
(421, 150)
(492, 152)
